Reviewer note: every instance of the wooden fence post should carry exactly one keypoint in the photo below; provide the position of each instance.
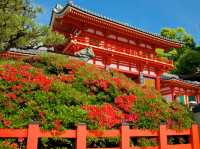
(195, 137)
(81, 136)
(125, 137)
(33, 134)
(163, 137)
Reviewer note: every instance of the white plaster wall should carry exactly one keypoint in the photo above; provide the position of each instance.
(124, 68)
(168, 97)
(99, 63)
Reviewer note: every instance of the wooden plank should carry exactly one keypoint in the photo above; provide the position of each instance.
(62, 134)
(81, 137)
(179, 146)
(195, 137)
(163, 137)
(148, 147)
(125, 138)
(13, 133)
(171, 132)
(143, 133)
(106, 148)
(33, 132)
(103, 133)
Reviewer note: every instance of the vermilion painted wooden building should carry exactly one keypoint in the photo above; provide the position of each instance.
(119, 46)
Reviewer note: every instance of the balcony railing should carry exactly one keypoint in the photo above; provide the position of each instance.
(137, 52)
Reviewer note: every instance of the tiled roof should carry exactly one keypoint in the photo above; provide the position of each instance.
(167, 76)
(30, 51)
(58, 10)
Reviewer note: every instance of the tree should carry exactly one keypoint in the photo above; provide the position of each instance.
(188, 65)
(181, 35)
(18, 28)
(186, 58)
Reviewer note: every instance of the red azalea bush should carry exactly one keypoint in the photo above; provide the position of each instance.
(58, 92)
(23, 75)
(35, 82)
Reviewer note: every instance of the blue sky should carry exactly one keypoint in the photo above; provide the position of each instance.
(149, 15)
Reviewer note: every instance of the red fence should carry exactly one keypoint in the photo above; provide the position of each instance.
(81, 133)
(14, 55)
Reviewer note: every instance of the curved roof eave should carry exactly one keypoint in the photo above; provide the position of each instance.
(62, 11)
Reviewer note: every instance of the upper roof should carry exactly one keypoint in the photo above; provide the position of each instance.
(60, 11)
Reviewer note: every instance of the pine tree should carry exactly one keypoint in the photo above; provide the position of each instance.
(19, 29)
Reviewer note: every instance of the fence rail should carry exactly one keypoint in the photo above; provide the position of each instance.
(33, 133)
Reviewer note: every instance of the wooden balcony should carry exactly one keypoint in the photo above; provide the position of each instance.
(130, 53)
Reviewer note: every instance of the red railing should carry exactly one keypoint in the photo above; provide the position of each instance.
(14, 55)
(33, 133)
(126, 51)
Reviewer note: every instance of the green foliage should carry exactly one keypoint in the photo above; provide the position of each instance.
(56, 143)
(18, 28)
(160, 52)
(103, 142)
(189, 62)
(146, 142)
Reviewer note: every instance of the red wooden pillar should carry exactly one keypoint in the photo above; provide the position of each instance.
(125, 138)
(195, 137)
(186, 97)
(33, 134)
(172, 92)
(107, 62)
(117, 64)
(163, 137)
(157, 81)
(81, 136)
(198, 98)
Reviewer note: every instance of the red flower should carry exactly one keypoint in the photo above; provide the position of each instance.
(117, 81)
(7, 123)
(42, 116)
(100, 84)
(1, 117)
(11, 96)
(130, 117)
(67, 78)
(14, 145)
(125, 102)
(147, 114)
(67, 66)
(105, 115)
(57, 124)
(16, 87)
(43, 81)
